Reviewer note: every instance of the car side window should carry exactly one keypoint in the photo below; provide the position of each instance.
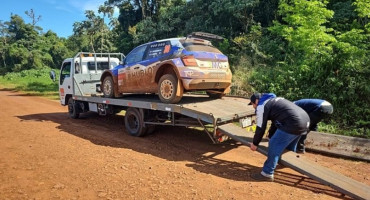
(66, 72)
(158, 49)
(136, 55)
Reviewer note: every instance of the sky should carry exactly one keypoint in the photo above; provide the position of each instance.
(56, 15)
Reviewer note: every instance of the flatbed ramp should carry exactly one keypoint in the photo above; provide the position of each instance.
(299, 163)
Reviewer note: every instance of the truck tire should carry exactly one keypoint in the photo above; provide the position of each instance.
(108, 87)
(73, 110)
(134, 122)
(169, 89)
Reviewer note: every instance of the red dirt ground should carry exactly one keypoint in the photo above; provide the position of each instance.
(46, 155)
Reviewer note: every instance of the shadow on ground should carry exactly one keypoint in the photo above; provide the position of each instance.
(172, 144)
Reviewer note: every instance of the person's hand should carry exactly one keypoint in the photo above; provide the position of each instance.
(253, 147)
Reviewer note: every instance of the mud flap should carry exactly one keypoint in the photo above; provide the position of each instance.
(180, 89)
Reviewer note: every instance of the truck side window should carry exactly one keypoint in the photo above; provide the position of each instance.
(101, 65)
(66, 72)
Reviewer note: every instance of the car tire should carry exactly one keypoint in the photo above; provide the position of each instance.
(108, 87)
(73, 110)
(170, 90)
(134, 123)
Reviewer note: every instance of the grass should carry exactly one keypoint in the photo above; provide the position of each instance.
(348, 131)
(34, 82)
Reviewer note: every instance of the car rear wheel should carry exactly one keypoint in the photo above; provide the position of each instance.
(108, 87)
(170, 90)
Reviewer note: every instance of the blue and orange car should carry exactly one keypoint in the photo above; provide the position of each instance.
(171, 67)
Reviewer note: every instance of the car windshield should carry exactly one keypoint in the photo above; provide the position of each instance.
(192, 46)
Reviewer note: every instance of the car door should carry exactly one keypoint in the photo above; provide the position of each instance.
(130, 75)
(65, 82)
(155, 53)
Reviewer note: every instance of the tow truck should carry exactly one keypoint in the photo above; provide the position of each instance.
(79, 88)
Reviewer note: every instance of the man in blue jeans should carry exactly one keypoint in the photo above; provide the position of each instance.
(291, 122)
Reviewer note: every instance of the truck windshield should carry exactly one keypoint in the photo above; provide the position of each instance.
(66, 72)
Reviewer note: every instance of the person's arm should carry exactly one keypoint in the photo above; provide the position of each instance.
(262, 117)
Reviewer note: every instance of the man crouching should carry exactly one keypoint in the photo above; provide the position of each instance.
(291, 122)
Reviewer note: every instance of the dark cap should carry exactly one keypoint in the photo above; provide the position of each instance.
(254, 97)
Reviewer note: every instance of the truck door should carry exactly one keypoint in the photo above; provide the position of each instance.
(65, 82)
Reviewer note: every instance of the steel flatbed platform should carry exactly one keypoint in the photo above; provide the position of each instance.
(214, 111)
(192, 111)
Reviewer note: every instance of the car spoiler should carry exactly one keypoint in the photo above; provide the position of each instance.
(206, 36)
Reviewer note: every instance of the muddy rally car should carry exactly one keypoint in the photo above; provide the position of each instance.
(171, 67)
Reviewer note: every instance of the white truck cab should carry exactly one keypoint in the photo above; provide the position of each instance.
(81, 74)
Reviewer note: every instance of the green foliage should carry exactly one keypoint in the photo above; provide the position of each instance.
(320, 61)
(33, 82)
(24, 47)
(294, 48)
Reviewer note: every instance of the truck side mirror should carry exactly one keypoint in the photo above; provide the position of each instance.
(52, 75)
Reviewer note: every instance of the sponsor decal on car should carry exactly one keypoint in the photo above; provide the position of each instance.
(121, 76)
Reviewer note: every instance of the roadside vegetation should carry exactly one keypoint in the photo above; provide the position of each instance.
(296, 49)
(33, 82)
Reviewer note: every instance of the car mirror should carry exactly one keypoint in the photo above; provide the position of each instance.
(52, 75)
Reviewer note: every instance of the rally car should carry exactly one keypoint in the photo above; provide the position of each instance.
(171, 67)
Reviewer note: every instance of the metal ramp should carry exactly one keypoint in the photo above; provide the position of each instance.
(299, 163)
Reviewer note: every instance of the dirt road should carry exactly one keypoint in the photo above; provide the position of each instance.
(46, 155)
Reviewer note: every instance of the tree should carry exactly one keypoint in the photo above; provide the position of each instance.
(93, 28)
(31, 14)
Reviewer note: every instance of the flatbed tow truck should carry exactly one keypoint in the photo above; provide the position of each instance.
(79, 85)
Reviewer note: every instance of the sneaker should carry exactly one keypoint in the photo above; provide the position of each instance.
(259, 177)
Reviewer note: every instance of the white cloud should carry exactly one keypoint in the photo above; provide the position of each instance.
(63, 8)
(87, 4)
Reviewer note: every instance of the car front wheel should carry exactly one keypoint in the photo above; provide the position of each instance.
(169, 89)
(108, 87)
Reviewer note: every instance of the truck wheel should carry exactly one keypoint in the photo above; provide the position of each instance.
(108, 87)
(134, 122)
(72, 109)
(170, 90)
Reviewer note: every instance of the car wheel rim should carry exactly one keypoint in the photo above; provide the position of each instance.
(167, 89)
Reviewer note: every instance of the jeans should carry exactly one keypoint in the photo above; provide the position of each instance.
(280, 141)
